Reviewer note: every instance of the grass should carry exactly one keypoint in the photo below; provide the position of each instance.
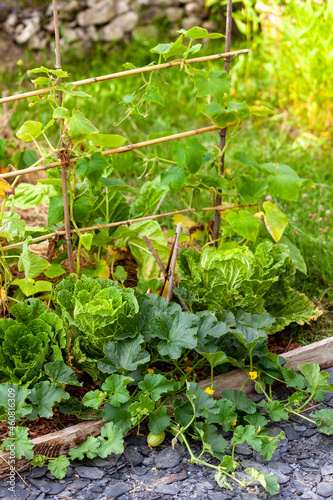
(284, 138)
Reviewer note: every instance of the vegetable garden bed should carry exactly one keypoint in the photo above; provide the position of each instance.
(59, 443)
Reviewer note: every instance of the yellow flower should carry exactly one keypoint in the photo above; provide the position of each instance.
(234, 422)
(209, 391)
(185, 359)
(188, 369)
(150, 370)
(253, 375)
(228, 171)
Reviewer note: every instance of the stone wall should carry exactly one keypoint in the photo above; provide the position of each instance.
(86, 22)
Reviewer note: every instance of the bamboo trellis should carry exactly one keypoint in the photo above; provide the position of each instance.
(227, 56)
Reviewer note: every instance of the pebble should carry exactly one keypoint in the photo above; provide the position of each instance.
(325, 490)
(89, 472)
(300, 486)
(116, 490)
(168, 458)
(167, 489)
(291, 433)
(133, 455)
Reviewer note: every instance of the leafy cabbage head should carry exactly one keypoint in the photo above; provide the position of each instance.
(36, 336)
(91, 309)
(257, 282)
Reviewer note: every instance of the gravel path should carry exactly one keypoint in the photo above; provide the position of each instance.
(303, 464)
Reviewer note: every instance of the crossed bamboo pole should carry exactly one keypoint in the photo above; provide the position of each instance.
(136, 71)
(122, 149)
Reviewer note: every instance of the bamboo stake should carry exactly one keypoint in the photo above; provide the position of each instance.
(6, 113)
(124, 223)
(173, 262)
(123, 149)
(121, 74)
(223, 132)
(63, 154)
(161, 266)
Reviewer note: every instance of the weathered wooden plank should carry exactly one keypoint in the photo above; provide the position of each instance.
(320, 352)
(55, 444)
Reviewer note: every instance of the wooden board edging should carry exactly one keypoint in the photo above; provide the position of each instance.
(54, 444)
(60, 442)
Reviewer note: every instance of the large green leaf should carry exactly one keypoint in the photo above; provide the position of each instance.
(56, 210)
(176, 332)
(82, 208)
(31, 287)
(29, 130)
(324, 421)
(216, 84)
(92, 168)
(240, 400)
(30, 263)
(43, 397)
(152, 94)
(234, 113)
(244, 224)
(88, 448)
(275, 220)
(159, 420)
(60, 373)
(215, 358)
(267, 481)
(79, 127)
(284, 181)
(123, 356)
(294, 254)
(116, 388)
(250, 188)
(175, 178)
(120, 416)
(316, 378)
(298, 309)
(196, 32)
(249, 337)
(58, 466)
(154, 385)
(107, 140)
(94, 399)
(113, 442)
(22, 444)
(226, 415)
(170, 49)
(246, 434)
(203, 402)
(212, 441)
(189, 154)
(12, 397)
